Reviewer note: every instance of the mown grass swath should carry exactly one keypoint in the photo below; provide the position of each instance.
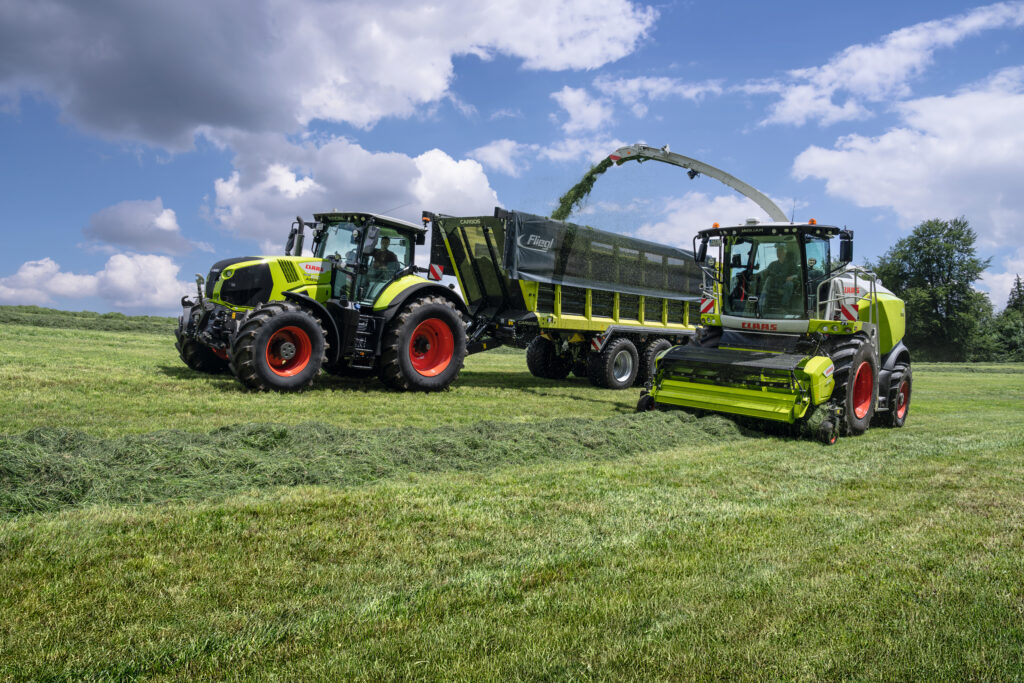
(514, 529)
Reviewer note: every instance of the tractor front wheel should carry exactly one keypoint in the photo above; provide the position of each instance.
(279, 346)
(196, 356)
(856, 376)
(425, 346)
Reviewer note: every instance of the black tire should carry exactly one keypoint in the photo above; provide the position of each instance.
(616, 366)
(424, 347)
(645, 404)
(278, 346)
(900, 385)
(580, 367)
(544, 361)
(651, 349)
(855, 392)
(196, 356)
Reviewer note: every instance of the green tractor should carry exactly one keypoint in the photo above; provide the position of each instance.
(356, 307)
(789, 335)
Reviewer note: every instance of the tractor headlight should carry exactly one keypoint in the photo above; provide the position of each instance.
(226, 275)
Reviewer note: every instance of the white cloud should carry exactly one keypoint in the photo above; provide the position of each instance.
(879, 72)
(1000, 278)
(504, 156)
(954, 155)
(634, 91)
(592, 149)
(142, 225)
(585, 113)
(158, 72)
(126, 281)
(683, 216)
(274, 180)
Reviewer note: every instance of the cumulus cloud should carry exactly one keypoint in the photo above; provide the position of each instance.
(683, 216)
(141, 225)
(961, 154)
(999, 279)
(276, 179)
(635, 91)
(592, 149)
(879, 72)
(504, 156)
(159, 72)
(127, 281)
(585, 112)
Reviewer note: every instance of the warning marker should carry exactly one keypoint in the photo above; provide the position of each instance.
(436, 271)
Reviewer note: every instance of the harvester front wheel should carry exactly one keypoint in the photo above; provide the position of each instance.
(425, 346)
(899, 396)
(651, 350)
(856, 376)
(544, 361)
(616, 366)
(196, 356)
(279, 346)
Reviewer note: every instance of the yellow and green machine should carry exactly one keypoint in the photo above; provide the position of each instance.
(357, 306)
(790, 335)
(597, 304)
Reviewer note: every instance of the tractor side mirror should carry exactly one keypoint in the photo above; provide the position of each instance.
(421, 239)
(846, 248)
(291, 242)
(702, 251)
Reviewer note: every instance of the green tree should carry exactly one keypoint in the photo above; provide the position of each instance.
(934, 270)
(1015, 301)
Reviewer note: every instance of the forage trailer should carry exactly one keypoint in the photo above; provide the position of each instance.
(355, 307)
(789, 334)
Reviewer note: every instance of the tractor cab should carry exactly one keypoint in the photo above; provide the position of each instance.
(773, 271)
(367, 251)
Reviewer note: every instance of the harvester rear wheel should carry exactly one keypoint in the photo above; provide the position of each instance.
(616, 366)
(856, 376)
(278, 346)
(899, 396)
(198, 357)
(544, 361)
(425, 346)
(646, 372)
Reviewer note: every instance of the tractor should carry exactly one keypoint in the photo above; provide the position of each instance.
(356, 307)
(789, 335)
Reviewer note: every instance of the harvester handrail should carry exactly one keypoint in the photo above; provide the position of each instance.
(834, 299)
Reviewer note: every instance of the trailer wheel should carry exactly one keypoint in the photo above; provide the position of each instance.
(425, 346)
(544, 361)
(856, 375)
(899, 396)
(616, 366)
(278, 346)
(651, 349)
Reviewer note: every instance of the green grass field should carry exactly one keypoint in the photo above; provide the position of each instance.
(163, 525)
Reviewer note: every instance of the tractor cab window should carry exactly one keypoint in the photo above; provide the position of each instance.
(764, 277)
(817, 254)
(392, 254)
(340, 240)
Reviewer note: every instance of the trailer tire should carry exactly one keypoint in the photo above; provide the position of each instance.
(425, 346)
(544, 361)
(900, 385)
(856, 376)
(278, 346)
(651, 350)
(616, 366)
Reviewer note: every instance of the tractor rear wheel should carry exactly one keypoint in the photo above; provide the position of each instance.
(544, 361)
(278, 346)
(197, 356)
(616, 366)
(425, 346)
(899, 396)
(651, 350)
(856, 376)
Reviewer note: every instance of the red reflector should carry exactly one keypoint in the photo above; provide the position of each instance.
(436, 271)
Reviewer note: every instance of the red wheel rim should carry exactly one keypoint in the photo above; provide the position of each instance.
(288, 351)
(863, 382)
(431, 347)
(902, 399)
(220, 353)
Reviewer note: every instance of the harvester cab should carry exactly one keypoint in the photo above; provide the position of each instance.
(790, 334)
(355, 307)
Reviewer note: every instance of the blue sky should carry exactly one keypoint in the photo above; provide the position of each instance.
(142, 141)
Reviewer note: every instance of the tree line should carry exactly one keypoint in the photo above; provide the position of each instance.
(934, 270)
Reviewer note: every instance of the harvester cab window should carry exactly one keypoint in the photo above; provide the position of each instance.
(817, 254)
(764, 277)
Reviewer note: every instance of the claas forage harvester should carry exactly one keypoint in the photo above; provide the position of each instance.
(790, 335)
